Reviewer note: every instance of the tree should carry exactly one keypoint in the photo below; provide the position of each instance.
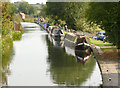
(11, 9)
(5, 19)
(72, 12)
(32, 10)
(27, 8)
(43, 11)
(106, 15)
(23, 6)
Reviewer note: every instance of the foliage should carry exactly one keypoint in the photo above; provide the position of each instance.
(17, 18)
(72, 12)
(7, 28)
(106, 48)
(107, 16)
(29, 20)
(11, 9)
(43, 11)
(88, 16)
(7, 44)
(32, 10)
(27, 8)
(6, 24)
(55, 11)
(17, 35)
(6, 60)
(23, 6)
(99, 43)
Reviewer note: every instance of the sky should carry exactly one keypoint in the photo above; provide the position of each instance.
(30, 1)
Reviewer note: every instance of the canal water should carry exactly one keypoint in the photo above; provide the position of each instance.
(39, 60)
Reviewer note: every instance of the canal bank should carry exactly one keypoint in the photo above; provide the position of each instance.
(109, 68)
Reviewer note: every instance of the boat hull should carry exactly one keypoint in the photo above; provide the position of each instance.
(82, 47)
(75, 46)
(70, 44)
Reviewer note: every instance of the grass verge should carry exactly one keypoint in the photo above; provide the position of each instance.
(99, 43)
(102, 45)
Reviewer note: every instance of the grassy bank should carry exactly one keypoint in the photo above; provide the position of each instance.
(102, 45)
(7, 40)
(29, 19)
(16, 35)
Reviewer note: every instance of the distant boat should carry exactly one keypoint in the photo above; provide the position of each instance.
(50, 28)
(76, 41)
(57, 33)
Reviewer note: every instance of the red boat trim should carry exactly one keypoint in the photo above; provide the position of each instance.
(82, 44)
(87, 57)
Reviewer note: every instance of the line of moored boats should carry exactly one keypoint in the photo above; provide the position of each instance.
(75, 41)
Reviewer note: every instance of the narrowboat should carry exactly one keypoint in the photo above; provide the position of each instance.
(50, 28)
(81, 55)
(76, 41)
(57, 33)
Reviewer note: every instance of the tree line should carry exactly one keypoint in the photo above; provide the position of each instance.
(26, 8)
(88, 16)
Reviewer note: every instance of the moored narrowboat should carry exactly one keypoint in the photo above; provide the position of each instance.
(57, 33)
(76, 41)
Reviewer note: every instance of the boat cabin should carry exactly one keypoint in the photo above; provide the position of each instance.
(76, 41)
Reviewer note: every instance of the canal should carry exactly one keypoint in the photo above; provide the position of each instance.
(39, 60)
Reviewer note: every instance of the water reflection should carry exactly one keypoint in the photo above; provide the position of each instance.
(41, 60)
(83, 56)
(56, 41)
(64, 69)
(6, 60)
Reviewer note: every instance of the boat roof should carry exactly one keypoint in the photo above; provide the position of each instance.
(75, 34)
(51, 26)
(72, 34)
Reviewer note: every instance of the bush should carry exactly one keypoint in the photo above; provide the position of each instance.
(16, 35)
(7, 44)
